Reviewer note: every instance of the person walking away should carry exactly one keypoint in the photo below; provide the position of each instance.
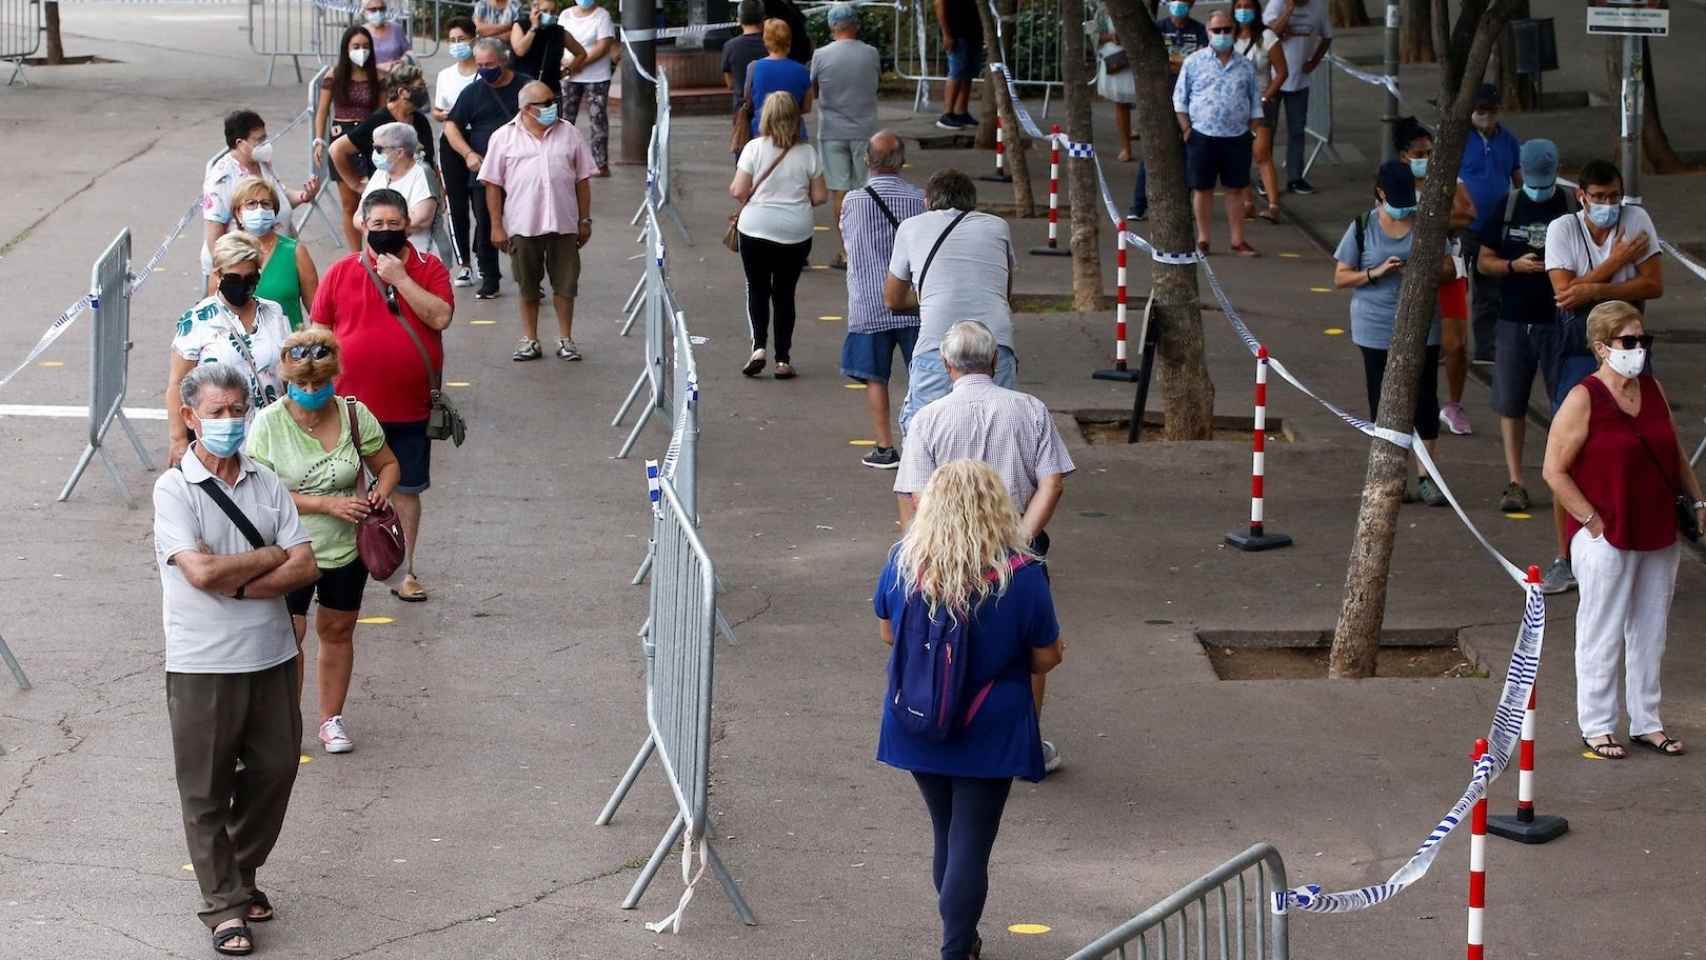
(395, 168)
(1261, 46)
(1183, 36)
(452, 80)
(951, 263)
(288, 275)
(1491, 169)
(1369, 261)
(1305, 29)
(869, 219)
(478, 113)
(777, 73)
(589, 80)
(391, 44)
(405, 99)
(845, 75)
(742, 50)
(962, 40)
(1511, 253)
(1116, 82)
(963, 567)
(493, 18)
(1613, 460)
(228, 326)
(1010, 431)
(1415, 146)
(228, 553)
(539, 199)
(348, 95)
(1606, 251)
(389, 306)
(541, 45)
(1219, 105)
(307, 440)
(248, 154)
(777, 182)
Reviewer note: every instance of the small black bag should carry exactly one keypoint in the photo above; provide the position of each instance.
(1115, 60)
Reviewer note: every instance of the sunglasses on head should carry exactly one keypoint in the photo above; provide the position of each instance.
(308, 351)
(1631, 341)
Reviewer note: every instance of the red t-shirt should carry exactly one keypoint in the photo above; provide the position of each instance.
(380, 365)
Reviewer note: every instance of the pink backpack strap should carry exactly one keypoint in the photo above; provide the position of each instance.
(1014, 562)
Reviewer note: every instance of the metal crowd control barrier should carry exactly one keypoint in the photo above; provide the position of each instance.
(1237, 914)
(20, 34)
(918, 53)
(680, 651)
(1318, 126)
(651, 303)
(312, 28)
(321, 168)
(109, 361)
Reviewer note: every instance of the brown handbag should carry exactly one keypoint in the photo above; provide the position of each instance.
(741, 130)
(731, 236)
(379, 535)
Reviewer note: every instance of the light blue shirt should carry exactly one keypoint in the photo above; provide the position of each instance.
(1220, 98)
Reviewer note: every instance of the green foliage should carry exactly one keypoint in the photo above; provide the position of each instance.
(876, 27)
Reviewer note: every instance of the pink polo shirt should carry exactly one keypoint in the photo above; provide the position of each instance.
(538, 176)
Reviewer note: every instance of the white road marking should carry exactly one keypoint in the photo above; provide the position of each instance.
(74, 413)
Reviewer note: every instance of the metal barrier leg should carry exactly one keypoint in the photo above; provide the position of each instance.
(729, 887)
(723, 627)
(650, 870)
(634, 297)
(77, 472)
(634, 435)
(674, 217)
(12, 662)
(135, 441)
(634, 394)
(18, 73)
(646, 564)
(627, 783)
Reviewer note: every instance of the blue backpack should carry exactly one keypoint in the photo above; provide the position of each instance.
(929, 693)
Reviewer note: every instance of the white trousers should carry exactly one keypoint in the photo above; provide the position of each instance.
(1621, 623)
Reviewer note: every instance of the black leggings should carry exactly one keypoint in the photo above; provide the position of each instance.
(456, 195)
(1427, 392)
(965, 814)
(772, 272)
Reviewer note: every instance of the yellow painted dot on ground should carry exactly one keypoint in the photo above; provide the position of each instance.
(1334, 331)
(818, 266)
(1590, 755)
(303, 759)
(855, 386)
(1519, 516)
(1311, 290)
(377, 620)
(189, 867)
(457, 383)
(1029, 929)
(861, 443)
(51, 363)
(822, 228)
(832, 316)
(1287, 254)
(482, 323)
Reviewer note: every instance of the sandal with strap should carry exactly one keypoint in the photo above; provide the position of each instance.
(1600, 749)
(221, 939)
(259, 900)
(1663, 747)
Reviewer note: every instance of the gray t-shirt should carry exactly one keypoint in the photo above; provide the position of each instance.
(968, 278)
(1374, 307)
(846, 73)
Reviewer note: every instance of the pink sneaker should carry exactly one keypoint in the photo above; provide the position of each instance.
(1455, 419)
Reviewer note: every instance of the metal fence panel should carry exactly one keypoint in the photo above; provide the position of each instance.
(312, 28)
(1238, 919)
(683, 631)
(20, 33)
(1033, 36)
(109, 359)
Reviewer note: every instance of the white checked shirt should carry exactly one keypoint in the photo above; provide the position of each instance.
(1010, 431)
(1220, 99)
(869, 239)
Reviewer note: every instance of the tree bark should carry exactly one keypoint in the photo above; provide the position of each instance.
(1660, 156)
(1416, 32)
(1082, 191)
(1024, 201)
(1349, 13)
(1356, 638)
(55, 43)
(1187, 393)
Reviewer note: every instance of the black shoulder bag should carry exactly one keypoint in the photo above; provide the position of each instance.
(919, 284)
(444, 421)
(894, 223)
(238, 518)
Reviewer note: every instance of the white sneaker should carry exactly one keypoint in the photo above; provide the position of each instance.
(567, 350)
(464, 278)
(334, 737)
(1051, 758)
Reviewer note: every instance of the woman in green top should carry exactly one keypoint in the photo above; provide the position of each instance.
(305, 438)
(288, 276)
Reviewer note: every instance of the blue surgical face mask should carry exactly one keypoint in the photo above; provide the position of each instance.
(374, 17)
(309, 400)
(1220, 41)
(1604, 215)
(1398, 213)
(548, 115)
(1179, 8)
(546, 19)
(461, 51)
(1540, 194)
(1419, 167)
(381, 162)
(587, 4)
(1244, 15)
(259, 220)
(222, 438)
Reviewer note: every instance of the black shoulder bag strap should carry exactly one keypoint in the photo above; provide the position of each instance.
(919, 286)
(211, 487)
(894, 221)
(389, 295)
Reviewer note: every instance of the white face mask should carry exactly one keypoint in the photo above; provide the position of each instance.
(359, 56)
(1627, 363)
(262, 153)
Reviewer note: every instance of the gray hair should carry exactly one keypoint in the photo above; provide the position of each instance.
(888, 158)
(969, 347)
(842, 15)
(950, 190)
(495, 45)
(392, 135)
(220, 376)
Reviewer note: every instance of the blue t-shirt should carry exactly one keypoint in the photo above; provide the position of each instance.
(1182, 39)
(1003, 739)
(1374, 306)
(771, 75)
(1488, 163)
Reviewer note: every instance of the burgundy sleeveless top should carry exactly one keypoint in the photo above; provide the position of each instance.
(1633, 491)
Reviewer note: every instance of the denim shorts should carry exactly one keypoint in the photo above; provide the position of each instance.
(927, 380)
(869, 357)
(965, 59)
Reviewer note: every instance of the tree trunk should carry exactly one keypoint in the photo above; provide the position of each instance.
(1187, 393)
(1357, 635)
(55, 42)
(1349, 13)
(1082, 192)
(1024, 202)
(1660, 156)
(1416, 32)
(986, 116)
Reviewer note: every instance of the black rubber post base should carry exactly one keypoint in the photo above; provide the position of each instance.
(1051, 252)
(1267, 541)
(1538, 830)
(1123, 376)
(996, 178)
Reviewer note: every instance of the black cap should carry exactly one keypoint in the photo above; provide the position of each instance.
(1397, 183)
(1487, 96)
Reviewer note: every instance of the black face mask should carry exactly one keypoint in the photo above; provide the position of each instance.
(237, 288)
(387, 241)
(418, 98)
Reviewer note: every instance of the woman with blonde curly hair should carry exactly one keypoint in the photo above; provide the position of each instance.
(307, 440)
(964, 559)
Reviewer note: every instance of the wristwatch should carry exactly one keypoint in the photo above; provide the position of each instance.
(586, 220)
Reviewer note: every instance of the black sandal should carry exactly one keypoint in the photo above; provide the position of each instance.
(259, 900)
(1600, 748)
(225, 936)
(1663, 747)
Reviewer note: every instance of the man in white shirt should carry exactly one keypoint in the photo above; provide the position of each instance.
(1305, 28)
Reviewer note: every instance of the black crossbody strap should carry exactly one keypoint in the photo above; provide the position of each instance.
(389, 296)
(894, 221)
(238, 519)
(932, 257)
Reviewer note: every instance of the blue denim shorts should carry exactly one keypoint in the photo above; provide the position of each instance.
(927, 380)
(868, 357)
(965, 59)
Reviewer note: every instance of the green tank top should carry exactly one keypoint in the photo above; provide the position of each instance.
(279, 282)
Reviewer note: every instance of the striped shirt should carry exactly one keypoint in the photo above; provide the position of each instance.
(1010, 431)
(869, 239)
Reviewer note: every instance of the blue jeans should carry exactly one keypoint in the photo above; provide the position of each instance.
(965, 815)
(927, 380)
(1296, 119)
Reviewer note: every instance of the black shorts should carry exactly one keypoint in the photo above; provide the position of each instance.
(414, 454)
(1226, 159)
(1523, 350)
(1426, 421)
(334, 130)
(339, 588)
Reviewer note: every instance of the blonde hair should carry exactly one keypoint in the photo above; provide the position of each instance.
(780, 120)
(1609, 317)
(778, 38)
(956, 553)
(253, 188)
(234, 248)
(309, 370)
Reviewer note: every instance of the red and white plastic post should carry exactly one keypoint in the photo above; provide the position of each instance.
(1477, 864)
(1120, 305)
(1053, 249)
(1259, 538)
(1000, 175)
(1526, 826)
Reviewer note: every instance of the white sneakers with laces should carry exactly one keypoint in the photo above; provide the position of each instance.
(334, 737)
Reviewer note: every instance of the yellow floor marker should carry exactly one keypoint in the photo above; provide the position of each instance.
(457, 383)
(1311, 290)
(817, 266)
(1029, 929)
(51, 363)
(855, 386)
(832, 316)
(377, 621)
(1519, 516)
(861, 443)
(304, 759)
(821, 228)
(481, 323)
(188, 867)
(1287, 254)
(1334, 331)
(1590, 755)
